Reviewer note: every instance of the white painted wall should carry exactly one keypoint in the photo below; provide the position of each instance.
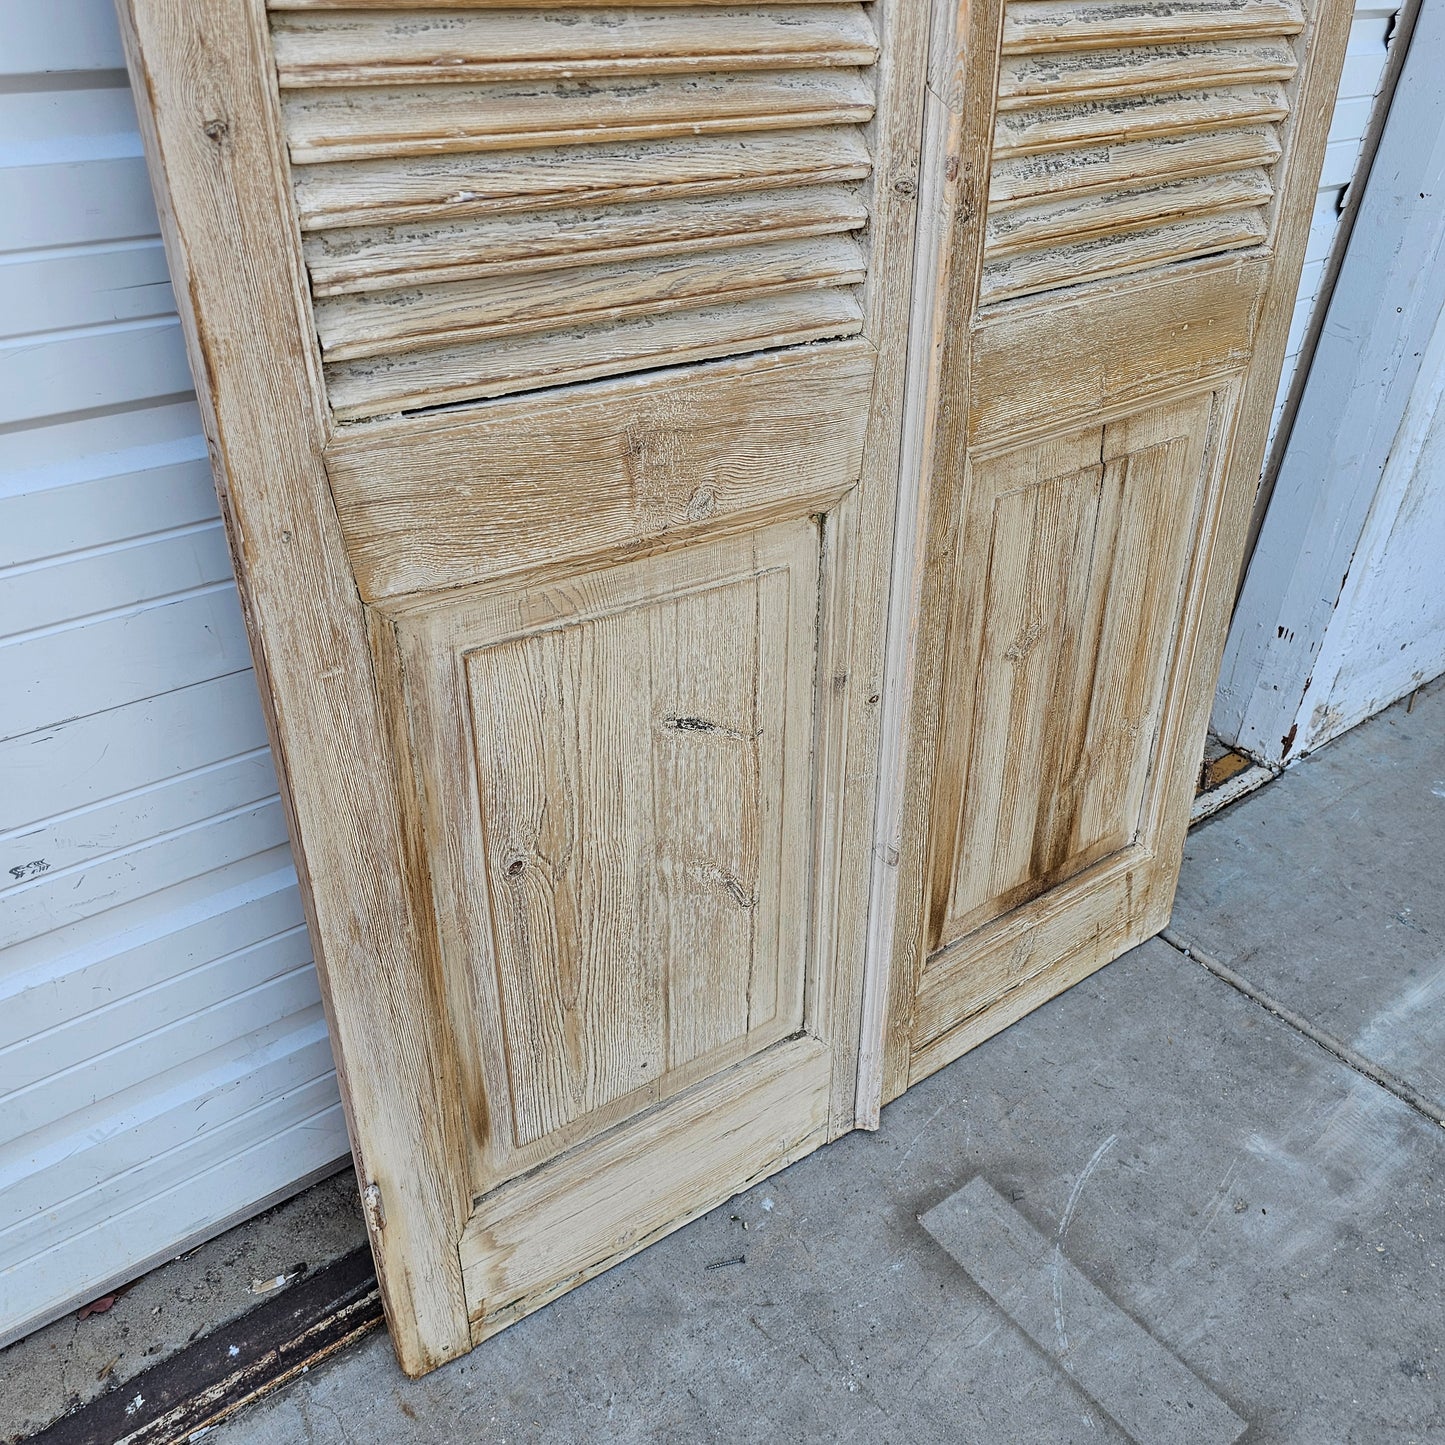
(1386, 635)
(1365, 58)
(164, 1066)
(1346, 570)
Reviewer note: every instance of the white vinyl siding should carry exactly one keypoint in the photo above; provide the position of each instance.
(164, 1065)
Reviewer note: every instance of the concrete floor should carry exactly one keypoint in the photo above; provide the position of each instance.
(1272, 1219)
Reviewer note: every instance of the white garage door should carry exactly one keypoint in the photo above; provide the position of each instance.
(164, 1066)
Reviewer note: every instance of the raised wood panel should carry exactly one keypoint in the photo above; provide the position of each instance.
(429, 503)
(613, 774)
(1065, 613)
(495, 201)
(1131, 136)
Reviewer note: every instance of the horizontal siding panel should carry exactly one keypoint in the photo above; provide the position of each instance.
(82, 371)
(206, 1025)
(135, 1142)
(112, 1246)
(58, 35)
(74, 971)
(53, 899)
(130, 572)
(53, 127)
(47, 523)
(124, 282)
(59, 453)
(103, 664)
(137, 1022)
(55, 771)
(162, 1048)
(86, 841)
(74, 203)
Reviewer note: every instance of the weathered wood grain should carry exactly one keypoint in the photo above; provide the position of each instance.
(588, 776)
(523, 1246)
(1104, 352)
(564, 985)
(1080, 218)
(1052, 706)
(493, 5)
(1087, 75)
(1035, 25)
(1117, 165)
(1062, 126)
(432, 188)
(428, 503)
(1116, 371)
(1102, 255)
(446, 46)
(386, 121)
(376, 258)
(463, 373)
(386, 323)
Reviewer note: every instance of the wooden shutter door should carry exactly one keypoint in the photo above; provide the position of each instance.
(553, 362)
(1123, 198)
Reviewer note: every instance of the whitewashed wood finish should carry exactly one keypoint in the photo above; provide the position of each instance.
(1066, 644)
(153, 962)
(1098, 102)
(598, 890)
(378, 48)
(416, 518)
(574, 184)
(642, 922)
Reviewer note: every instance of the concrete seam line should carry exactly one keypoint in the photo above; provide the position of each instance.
(1376, 1073)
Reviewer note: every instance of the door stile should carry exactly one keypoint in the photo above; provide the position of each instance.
(214, 143)
(945, 285)
(858, 538)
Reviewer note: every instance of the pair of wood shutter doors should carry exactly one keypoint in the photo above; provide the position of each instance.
(571, 371)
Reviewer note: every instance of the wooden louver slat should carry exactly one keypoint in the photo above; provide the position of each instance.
(427, 188)
(495, 198)
(376, 258)
(444, 46)
(1131, 134)
(443, 377)
(453, 312)
(1031, 26)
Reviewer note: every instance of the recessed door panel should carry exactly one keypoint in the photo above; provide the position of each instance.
(613, 770)
(1068, 591)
